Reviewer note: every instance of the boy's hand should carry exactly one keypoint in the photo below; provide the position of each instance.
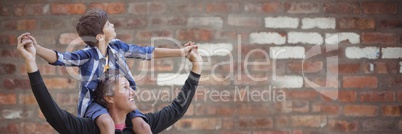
(33, 41)
(188, 47)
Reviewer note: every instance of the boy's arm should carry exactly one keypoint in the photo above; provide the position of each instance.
(45, 53)
(76, 58)
(166, 52)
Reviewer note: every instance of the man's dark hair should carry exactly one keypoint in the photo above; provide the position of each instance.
(106, 84)
(91, 24)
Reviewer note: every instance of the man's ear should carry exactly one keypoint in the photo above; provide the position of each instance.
(108, 99)
(100, 37)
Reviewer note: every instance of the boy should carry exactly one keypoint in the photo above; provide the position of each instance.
(103, 52)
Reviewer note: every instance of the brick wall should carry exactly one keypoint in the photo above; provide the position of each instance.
(272, 67)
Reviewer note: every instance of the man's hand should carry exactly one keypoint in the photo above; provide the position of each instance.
(196, 60)
(188, 47)
(28, 52)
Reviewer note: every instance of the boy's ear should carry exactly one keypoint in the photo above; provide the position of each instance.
(99, 37)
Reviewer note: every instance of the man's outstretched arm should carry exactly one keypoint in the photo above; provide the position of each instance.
(166, 117)
(59, 119)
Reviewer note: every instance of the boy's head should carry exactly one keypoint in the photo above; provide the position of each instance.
(92, 24)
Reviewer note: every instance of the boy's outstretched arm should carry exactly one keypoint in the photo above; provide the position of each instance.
(166, 52)
(45, 53)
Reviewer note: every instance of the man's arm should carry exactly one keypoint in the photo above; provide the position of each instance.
(166, 117)
(60, 120)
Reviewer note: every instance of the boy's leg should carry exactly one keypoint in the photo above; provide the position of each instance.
(105, 124)
(101, 117)
(136, 120)
(140, 126)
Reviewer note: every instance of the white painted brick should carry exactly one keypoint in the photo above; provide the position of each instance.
(288, 82)
(400, 67)
(296, 52)
(215, 22)
(392, 53)
(281, 22)
(322, 23)
(12, 114)
(304, 38)
(267, 38)
(335, 38)
(215, 49)
(163, 79)
(358, 53)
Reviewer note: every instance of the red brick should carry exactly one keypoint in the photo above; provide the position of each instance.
(325, 108)
(302, 7)
(237, 132)
(198, 124)
(74, 71)
(252, 109)
(7, 69)
(68, 8)
(266, 7)
(10, 54)
(187, 8)
(308, 120)
(255, 123)
(378, 125)
(125, 37)
(26, 24)
(11, 84)
(208, 109)
(222, 7)
(5, 10)
(45, 69)
(10, 128)
(343, 96)
(379, 8)
(378, 38)
(272, 132)
(68, 38)
(49, 24)
(360, 110)
(110, 8)
(163, 21)
(129, 23)
(282, 121)
(399, 96)
(391, 24)
(308, 66)
(36, 127)
(343, 126)
(195, 34)
(7, 99)
(356, 23)
(342, 8)
(321, 81)
(228, 124)
(391, 110)
(60, 83)
(377, 96)
(386, 67)
(31, 9)
(8, 39)
(345, 68)
(301, 94)
(393, 81)
(146, 35)
(67, 99)
(141, 8)
(27, 99)
(360, 82)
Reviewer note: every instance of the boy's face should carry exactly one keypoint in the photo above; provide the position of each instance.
(108, 31)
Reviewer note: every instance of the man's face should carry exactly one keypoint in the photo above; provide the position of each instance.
(108, 30)
(124, 96)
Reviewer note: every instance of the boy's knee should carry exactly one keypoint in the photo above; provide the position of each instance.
(104, 119)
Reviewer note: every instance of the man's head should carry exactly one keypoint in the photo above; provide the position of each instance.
(114, 91)
(94, 24)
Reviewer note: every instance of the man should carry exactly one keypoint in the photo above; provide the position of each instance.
(65, 122)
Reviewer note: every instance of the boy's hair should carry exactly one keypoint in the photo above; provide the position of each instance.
(106, 84)
(91, 24)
